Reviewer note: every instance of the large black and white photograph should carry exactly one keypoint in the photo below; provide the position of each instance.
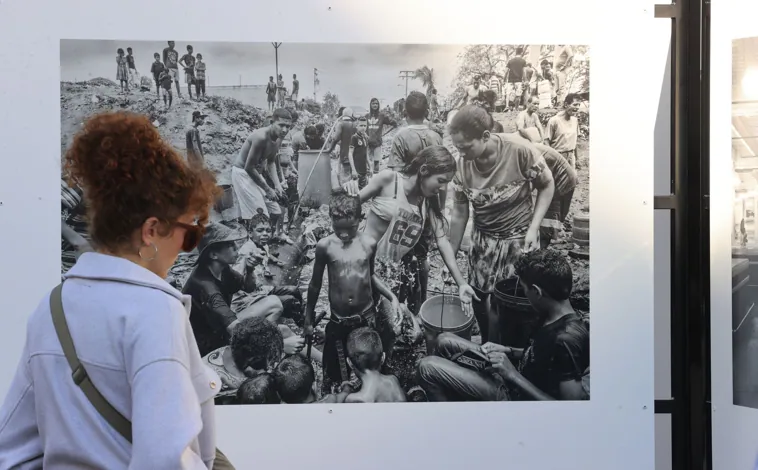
(744, 234)
(394, 222)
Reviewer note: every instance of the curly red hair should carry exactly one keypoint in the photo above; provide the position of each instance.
(129, 173)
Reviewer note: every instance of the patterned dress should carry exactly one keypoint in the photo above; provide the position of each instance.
(122, 70)
(503, 208)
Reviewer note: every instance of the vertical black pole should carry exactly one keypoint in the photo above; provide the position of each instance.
(690, 262)
(705, 230)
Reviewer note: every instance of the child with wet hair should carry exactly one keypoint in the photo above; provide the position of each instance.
(260, 390)
(366, 356)
(347, 256)
(294, 378)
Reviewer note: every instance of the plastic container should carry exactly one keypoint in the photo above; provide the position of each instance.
(518, 319)
(581, 229)
(444, 314)
(319, 187)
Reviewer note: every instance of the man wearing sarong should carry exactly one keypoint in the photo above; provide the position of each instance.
(496, 175)
(256, 161)
(563, 129)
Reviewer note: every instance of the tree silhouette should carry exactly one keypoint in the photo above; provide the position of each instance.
(427, 77)
(484, 59)
(331, 104)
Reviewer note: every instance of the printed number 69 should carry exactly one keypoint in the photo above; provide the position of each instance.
(404, 234)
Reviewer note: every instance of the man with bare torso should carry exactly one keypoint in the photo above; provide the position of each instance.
(256, 160)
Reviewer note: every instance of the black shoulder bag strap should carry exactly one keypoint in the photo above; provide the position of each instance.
(79, 374)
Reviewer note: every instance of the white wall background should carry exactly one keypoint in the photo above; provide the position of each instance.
(735, 440)
(612, 431)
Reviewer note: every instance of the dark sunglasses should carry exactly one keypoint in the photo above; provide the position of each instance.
(192, 235)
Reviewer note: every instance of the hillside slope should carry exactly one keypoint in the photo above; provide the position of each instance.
(228, 124)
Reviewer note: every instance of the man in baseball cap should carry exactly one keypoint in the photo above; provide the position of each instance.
(195, 155)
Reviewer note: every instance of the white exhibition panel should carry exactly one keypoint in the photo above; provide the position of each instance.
(662, 271)
(735, 441)
(629, 58)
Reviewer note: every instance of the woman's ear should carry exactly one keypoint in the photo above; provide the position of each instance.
(423, 170)
(486, 136)
(150, 229)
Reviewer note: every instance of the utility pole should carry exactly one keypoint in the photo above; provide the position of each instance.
(316, 81)
(276, 53)
(406, 74)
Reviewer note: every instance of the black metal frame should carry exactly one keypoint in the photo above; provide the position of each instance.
(690, 237)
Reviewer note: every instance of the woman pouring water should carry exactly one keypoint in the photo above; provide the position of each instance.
(497, 174)
(402, 205)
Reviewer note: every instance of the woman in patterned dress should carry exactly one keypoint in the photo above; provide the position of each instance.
(497, 174)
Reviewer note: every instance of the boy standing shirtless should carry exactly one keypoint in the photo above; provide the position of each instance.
(188, 62)
(365, 355)
(349, 256)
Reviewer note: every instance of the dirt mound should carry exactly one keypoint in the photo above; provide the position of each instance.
(100, 81)
(228, 124)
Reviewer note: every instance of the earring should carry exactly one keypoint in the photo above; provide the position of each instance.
(155, 253)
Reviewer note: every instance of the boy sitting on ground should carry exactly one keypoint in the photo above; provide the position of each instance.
(556, 364)
(349, 256)
(260, 390)
(365, 355)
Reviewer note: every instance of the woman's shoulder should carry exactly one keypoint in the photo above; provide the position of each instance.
(386, 176)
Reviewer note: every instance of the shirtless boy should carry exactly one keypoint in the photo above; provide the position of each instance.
(365, 355)
(258, 155)
(348, 257)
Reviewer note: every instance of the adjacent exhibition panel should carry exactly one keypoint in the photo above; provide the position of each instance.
(209, 79)
(734, 236)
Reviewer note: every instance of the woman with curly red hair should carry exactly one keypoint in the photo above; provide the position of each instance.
(130, 328)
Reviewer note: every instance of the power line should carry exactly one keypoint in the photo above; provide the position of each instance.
(406, 74)
(276, 52)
